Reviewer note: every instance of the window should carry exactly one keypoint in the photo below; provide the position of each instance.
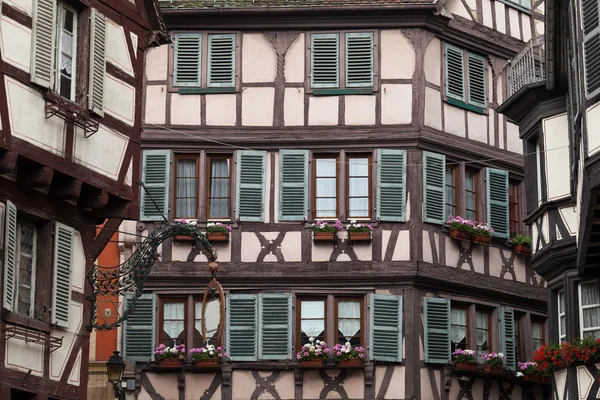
(332, 68)
(589, 299)
(173, 320)
(459, 328)
(348, 321)
(219, 187)
(66, 52)
(450, 191)
(562, 321)
(514, 209)
(482, 328)
(471, 195)
(325, 187)
(311, 320)
(212, 323)
(359, 187)
(26, 252)
(466, 75)
(537, 334)
(186, 178)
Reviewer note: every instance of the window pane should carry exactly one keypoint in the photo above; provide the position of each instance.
(482, 328)
(326, 167)
(590, 294)
(26, 254)
(458, 334)
(219, 168)
(219, 197)
(313, 328)
(326, 187)
(359, 207)
(591, 317)
(312, 324)
(326, 207)
(561, 302)
(358, 167)
(173, 323)
(313, 309)
(359, 187)
(68, 20)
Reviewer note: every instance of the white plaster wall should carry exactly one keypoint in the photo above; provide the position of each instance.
(323, 110)
(488, 18)
(78, 268)
(491, 127)
(569, 217)
(427, 386)
(454, 120)
(593, 119)
(185, 109)
(22, 356)
(294, 60)
(117, 51)
(515, 28)
(513, 141)
(526, 19)
(15, 43)
(495, 263)
(156, 103)
(433, 61)
(293, 107)
(134, 43)
(427, 250)
(257, 106)
(157, 63)
(500, 87)
(478, 127)
(456, 7)
(165, 384)
(119, 99)
(401, 247)
(519, 266)
(360, 110)
(500, 18)
(259, 60)
(129, 174)
(397, 55)
(556, 144)
(396, 104)
(58, 358)
(396, 389)
(433, 108)
(76, 371)
(290, 246)
(251, 244)
(221, 109)
(23, 5)
(102, 152)
(452, 252)
(539, 27)
(198, 383)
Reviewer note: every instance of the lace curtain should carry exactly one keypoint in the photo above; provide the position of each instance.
(348, 319)
(326, 187)
(173, 323)
(358, 190)
(459, 326)
(219, 188)
(590, 299)
(186, 188)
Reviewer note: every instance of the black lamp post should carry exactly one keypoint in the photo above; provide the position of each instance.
(115, 367)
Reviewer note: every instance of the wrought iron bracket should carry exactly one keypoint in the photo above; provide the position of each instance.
(70, 112)
(32, 335)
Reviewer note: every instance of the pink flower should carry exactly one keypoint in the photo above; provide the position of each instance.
(181, 357)
(229, 228)
(219, 348)
(162, 352)
(305, 354)
(361, 355)
(226, 355)
(298, 356)
(326, 351)
(220, 354)
(339, 354)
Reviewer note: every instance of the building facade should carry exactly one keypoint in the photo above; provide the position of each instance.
(71, 79)
(268, 119)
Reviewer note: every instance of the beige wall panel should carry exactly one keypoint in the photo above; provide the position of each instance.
(478, 126)
(541, 8)
(180, 251)
(539, 28)
(22, 356)
(294, 60)
(401, 248)
(515, 28)
(477, 257)
(185, 109)
(78, 266)
(116, 50)
(396, 389)
(323, 110)
(363, 253)
(569, 218)
(354, 384)
(433, 108)
(501, 119)
(293, 107)
(119, 99)
(259, 61)
(312, 385)
(491, 116)
(500, 16)
(488, 17)
(156, 63)
(490, 86)
(129, 174)
(320, 252)
(134, 43)
(15, 42)
(452, 252)
(166, 385)
(58, 358)
(284, 385)
(407, 205)
(545, 227)
(290, 246)
(251, 245)
(456, 7)
(495, 262)
(360, 110)
(199, 383)
(454, 119)
(220, 109)
(500, 87)
(556, 144)
(75, 372)
(519, 266)
(526, 19)
(396, 104)
(397, 55)
(593, 119)
(23, 5)
(156, 103)
(433, 61)
(477, 390)
(427, 250)
(102, 152)
(257, 106)
(427, 386)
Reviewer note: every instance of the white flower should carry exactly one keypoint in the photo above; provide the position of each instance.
(210, 224)
(311, 339)
(353, 221)
(501, 354)
(204, 350)
(211, 352)
(193, 223)
(347, 344)
(317, 341)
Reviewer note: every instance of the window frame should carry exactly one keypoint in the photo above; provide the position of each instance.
(298, 317)
(61, 6)
(32, 296)
(475, 191)
(179, 156)
(465, 308)
(516, 5)
(514, 206)
(561, 295)
(313, 192)
(581, 307)
(161, 319)
(361, 301)
(369, 158)
(207, 198)
(455, 181)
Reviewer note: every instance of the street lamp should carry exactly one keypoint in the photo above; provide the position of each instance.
(115, 367)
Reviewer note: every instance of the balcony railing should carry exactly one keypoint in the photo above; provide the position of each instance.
(528, 66)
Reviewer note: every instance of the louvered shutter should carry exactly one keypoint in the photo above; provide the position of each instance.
(359, 59)
(97, 62)
(63, 263)
(324, 60)
(391, 185)
(139, 329)
(386, 327)
(434, 190)
(476, 80)
(455, 74)
(275, 326)
(497, 201)
(221, 60)
(437, 330)
(591, 46)
(187, 59)
(155, 175)
(242, 324)
(43, 41)
(293, 185)
(251, 169)
(507, 336)
(10, 256)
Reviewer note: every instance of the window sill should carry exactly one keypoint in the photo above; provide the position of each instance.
(466, 106)
(209, 90)
(27, 322)
(341, 92)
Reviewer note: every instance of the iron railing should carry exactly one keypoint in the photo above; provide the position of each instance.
(528, 66)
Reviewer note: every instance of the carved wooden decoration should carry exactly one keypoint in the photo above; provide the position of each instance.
(213, 289)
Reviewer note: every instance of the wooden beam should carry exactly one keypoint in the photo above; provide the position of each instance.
(116, 209)
(102, 238)
(68, 189)
(39, 177)
(8, 161)
(93, 198)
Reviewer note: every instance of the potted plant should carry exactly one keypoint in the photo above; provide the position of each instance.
(313, 353)
(359, 232)
(531, 372)
(482, 233)
(464, 360)
(460, 228)
(185, 238)
(217, 232)
(325, 232)
(208, 357)
(346, 356)
(553, 357)
(170, 357)
(493, 363)
(522, 244)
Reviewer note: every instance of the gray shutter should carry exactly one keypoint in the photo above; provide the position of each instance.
(155, 175)
(221, 60)
(10, 256)
(275, 326)
(359, 59)
(139, 329)
(187, 59)
(242, 326)
(497, 201)
(386, 327)
(455, 73)
(324, 60)
(63, 263)
(293, 185)
(591, 46)
(507, 336)
(434, 187)
(476, 80)
(43, 42)
(251, 169)
(437, 330)
(97, 62)
(391, 185)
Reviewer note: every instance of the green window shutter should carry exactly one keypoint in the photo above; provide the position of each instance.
(43, 42)
(359, 59)
(293, 182)
(324, 60)
(275, 320)
(497, 201)
(221, 60)
(455, 73)
(242, 326)
(437, 330)
(476, 80)
(10, 256)
(97, 62)
(187, 56)
(386, 327)
(434, 187)
(507, 336)
(591, 45)
(391, 185)
(63, 263)
(155, 175)
(251, 170)
(139, 328)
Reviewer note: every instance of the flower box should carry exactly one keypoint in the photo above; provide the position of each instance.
(460, 235)
(493, 370)
(325, 236)
(218, 237)
(351, 363)
(466, 366)
(523, 249)
(544, 380)
(208, 364)
(169, 363)
(314, 363)
(359, 236)
(481, 239)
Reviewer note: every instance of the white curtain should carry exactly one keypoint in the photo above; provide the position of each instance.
(590, 296)
(173, 324)
(186, 188)
(316, 311)
(358, 189)
(459, 333)
(326, 187)
(450, 191)
(219, 188)
(348, 318)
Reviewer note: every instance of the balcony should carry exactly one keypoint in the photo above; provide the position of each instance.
(528, 66)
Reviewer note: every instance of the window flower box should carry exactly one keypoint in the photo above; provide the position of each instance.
(522, 244)
(359, 232)
(493, 370)
(541, 379)
(323, 232)
(464, 360)
(460, 235)
(466, 366)
(209, 356)
(313, 353)
(359, 236)
(493, 363)
(351, 363)
(315, 363)
(325, 236)
(460, 228)
(169, 363)
(523, 249)
(207, 364)
(217, 237)
(481, 239)
(170, 357)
